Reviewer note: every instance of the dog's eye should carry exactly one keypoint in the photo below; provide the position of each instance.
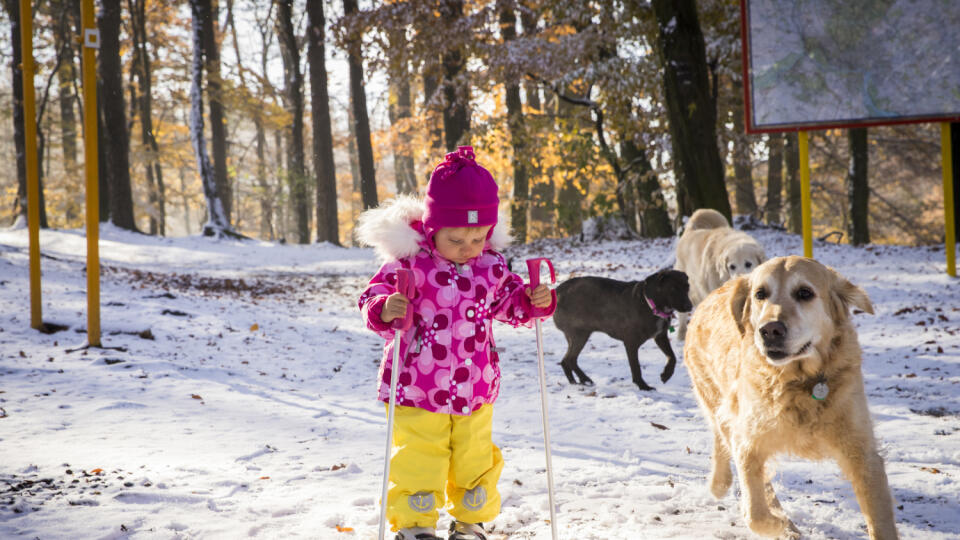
(733, 267)
(803, 294)
(749, 264)
(761, 294)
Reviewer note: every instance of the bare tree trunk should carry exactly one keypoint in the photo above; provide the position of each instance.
(792, 151)
(113, 135)
(651, 205)
(541, 191)
(456, 91)
(20, 203)
(66, 78)
(42, 138)
(774, 178)
(368, 180)
(293, 99)
(134, 113)
(152, 149)
(858, 187)
(745, 197)
(520, 201)
(265, 191)
(401, 105)
(528, 23)
(399, 110)
(186, 200)
(279, 202)
(218, 121)
(328, 226)
(354, 173)
(217, 223)
(570, 205)
(691, 110)
(432, 110)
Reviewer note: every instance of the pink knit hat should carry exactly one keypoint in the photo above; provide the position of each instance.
(460, 194)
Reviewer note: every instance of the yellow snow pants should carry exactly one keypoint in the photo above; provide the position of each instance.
(436, 455)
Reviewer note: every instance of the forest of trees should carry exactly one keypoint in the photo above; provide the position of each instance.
(283, 120)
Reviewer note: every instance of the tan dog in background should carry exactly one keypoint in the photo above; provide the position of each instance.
(710, 252)
(775, 364)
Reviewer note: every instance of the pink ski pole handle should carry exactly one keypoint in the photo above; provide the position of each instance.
(533, 269)
(407, 286)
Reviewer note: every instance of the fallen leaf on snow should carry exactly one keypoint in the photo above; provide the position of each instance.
(659, 426)
(195, 396)
(344, 529)
(931, 470)
(255, 327)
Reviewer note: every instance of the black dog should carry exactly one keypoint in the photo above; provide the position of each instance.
(631, 311)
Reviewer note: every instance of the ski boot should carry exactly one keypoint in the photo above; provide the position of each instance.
(466, 531)
(417, 533)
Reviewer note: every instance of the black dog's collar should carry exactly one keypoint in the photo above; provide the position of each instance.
(653, 307)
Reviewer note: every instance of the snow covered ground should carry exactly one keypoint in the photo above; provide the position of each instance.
(237, 400)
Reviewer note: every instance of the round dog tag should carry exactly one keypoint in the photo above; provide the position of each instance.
(820, 391)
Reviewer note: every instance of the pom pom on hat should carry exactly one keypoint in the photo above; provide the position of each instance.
(460, 193)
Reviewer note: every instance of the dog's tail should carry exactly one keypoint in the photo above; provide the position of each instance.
(706, 218)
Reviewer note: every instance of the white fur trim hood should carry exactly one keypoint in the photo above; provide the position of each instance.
(387, 228)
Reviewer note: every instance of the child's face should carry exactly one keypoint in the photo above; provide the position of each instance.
(460, 244)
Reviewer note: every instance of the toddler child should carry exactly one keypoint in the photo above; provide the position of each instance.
(443, 454)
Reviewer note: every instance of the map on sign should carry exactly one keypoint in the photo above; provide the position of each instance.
(848, 62)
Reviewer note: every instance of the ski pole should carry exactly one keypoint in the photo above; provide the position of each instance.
(533, 268)
(407, 287)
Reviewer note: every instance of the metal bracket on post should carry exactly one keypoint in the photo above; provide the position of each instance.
(91, 38)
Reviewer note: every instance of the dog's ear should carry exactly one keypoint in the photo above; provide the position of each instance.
(844, 294)
(723, 273)
(740, 302)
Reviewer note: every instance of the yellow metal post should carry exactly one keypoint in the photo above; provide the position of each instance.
(805, 194)
(33, 179)
(948, 209)
(91, 41)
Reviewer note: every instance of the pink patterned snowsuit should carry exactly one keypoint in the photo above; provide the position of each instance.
(450, 365)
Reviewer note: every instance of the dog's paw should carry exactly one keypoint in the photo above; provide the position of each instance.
(644, 386)
(792, 532)
(720, 483)
(665, 376)
(774, 526)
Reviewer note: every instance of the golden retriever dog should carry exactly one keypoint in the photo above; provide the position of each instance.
(775, 364)
(710, 252)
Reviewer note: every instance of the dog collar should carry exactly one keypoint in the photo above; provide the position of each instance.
(820, 389)
(657, 312)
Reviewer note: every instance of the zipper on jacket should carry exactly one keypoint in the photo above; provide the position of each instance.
(414, 348)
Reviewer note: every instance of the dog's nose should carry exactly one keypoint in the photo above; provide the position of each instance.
(773, 331)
